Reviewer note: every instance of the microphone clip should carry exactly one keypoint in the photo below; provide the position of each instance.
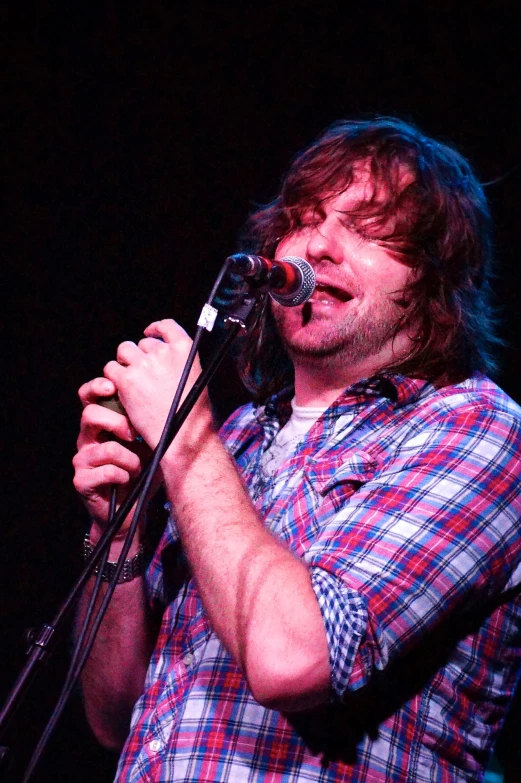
(290, 281)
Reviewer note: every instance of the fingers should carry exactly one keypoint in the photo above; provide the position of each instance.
(92, 390)
(100, 465)
(96, 421)
(114, 371)
(111, 452)
(88, 481)
(168, 330)
(172, 336)
(165, 331)
(127, 351)
(152, 345)
(97, 468)
(145, 377)
(129, 355)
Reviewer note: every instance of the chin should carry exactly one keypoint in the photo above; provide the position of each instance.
(320, 345)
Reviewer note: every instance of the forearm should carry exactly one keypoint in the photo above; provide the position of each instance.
(257, 594)
(114, 675)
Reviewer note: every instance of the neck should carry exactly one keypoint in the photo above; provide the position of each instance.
(319, 381)
(318, 386)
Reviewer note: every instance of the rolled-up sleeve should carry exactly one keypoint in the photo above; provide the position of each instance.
(345, 620)
(434, 531)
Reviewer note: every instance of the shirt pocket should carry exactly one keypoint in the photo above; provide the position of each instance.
(335, 479)
(327, 484)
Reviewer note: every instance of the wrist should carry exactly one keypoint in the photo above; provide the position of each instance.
(188, 448)
(132, 567)
(96, 531)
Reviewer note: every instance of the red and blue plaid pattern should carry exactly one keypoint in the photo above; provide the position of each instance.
(405, 502)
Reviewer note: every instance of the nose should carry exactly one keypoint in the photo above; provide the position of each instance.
(324, 243)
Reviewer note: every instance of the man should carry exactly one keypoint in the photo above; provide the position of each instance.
(338, 591)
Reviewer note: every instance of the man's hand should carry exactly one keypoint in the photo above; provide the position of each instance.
(100, 463)
(147, 375)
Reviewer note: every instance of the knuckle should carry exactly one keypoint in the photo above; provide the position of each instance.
(78, 481)
(111, 474)
(108, 474)
(85, 419)
(132, 373)
(88, 415)
(182, 345)
(161, 347)
(111, 449)
(123, 347)
(82, 391)
(134, 463)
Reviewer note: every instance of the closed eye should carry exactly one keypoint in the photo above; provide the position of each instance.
(312, 217)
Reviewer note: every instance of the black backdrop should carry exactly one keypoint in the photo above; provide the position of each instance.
(136, 139)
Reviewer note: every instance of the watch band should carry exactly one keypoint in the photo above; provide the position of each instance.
(131, 568)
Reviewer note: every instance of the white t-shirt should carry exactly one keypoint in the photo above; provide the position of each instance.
(286, 440)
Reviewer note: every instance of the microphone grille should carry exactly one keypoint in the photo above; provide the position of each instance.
(306, 286)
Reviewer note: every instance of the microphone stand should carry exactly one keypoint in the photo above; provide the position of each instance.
(244, 316)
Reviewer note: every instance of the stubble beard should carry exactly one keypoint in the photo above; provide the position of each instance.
(348, 341)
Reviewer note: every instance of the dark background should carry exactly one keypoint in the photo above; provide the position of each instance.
(136, 139)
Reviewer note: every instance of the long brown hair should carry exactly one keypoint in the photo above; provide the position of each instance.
(438, 223)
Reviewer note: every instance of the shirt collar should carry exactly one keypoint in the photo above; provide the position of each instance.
(399, 390)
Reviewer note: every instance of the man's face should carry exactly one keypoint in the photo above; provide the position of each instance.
(357, 301)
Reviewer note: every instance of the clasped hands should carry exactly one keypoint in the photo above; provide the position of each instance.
(145, 376)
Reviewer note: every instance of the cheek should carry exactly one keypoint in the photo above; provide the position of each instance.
(403, 275)
(285, 316)
(290, 246)
(386, 274)
(278, 311)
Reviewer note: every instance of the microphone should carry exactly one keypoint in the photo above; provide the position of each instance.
(290, 280)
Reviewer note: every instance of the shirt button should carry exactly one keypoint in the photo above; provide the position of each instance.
(188, 659)
(155, 745)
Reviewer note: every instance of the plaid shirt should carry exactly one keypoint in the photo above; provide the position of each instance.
(405, 503)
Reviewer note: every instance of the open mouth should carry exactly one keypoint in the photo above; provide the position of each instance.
(329, 294)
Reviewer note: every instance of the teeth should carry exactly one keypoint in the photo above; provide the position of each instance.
(330, 294)
(321, 296)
